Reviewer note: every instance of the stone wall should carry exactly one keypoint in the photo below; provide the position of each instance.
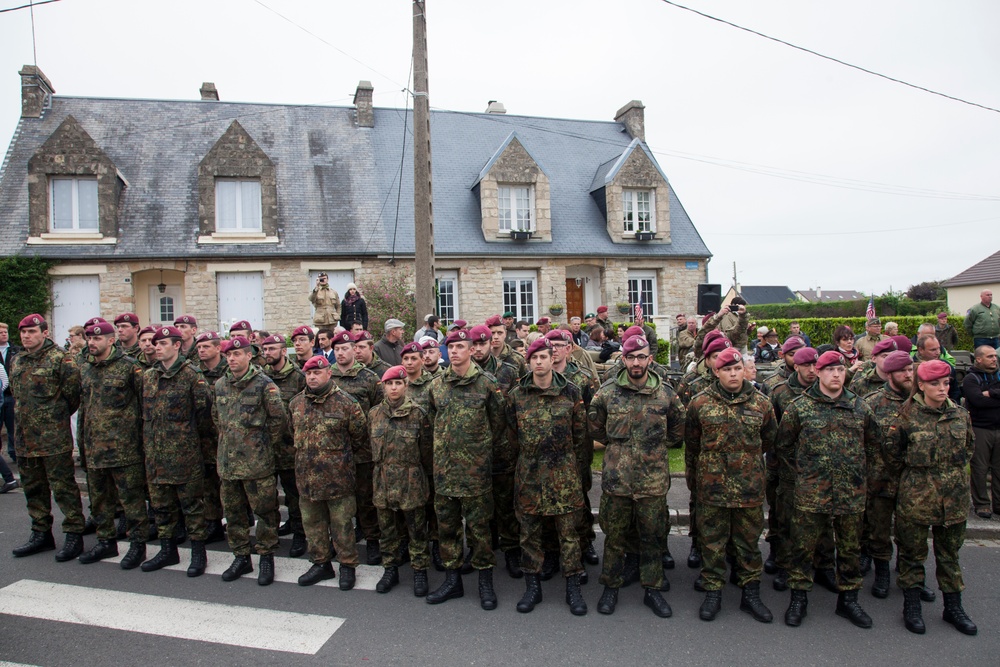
(638, 172)
(515, 166)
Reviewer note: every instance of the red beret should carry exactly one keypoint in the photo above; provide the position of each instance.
(710, 336)
(543, 320)
(33, 320)
(633, 331)
(319, 361)
(480, 332)
(559, 334)
(728, 357)
(131, 318)
(458, 324)
(539, 344)
(933, 370)
(830, 358)
(147, 330)
(896, 361)
(791, 344)
(343, 338)
(242, 325)
(718, 345)
(206, 335)
(238, 343)
(411, 348)
(942, 314)
(494, 321)
(186, 319)
(903, 343)
(274, 339)
(394, 373)
(805, 356)
(457, 336)
(94, 320)
(602, 309)
(100, 329)
(363, 336)
(427, 342)
(884, 345)
(167, 332)
(302, 331)
(634, 344)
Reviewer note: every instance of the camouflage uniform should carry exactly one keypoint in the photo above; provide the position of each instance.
(882, 484)
(725, 437)
(866, 380)
(251, 421)
(213, 485)
(46, 386)
(132, 350)
(177, 420)
(508, 528)
(378, 366)
(329, 428)
(619, 365)
(587, 385)
(692, 383)
(467, 412)
(109, 427)
(823, 441)
(637, 426)
(290, 381)
(402, 456)
(931, 449)
(419, 392)
(509, 356)
(780, 376)
(550, 426)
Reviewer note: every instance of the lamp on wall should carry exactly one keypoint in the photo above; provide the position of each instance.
(578, 282)
(162, 286)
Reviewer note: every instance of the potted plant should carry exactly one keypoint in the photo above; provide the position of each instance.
(520, 234)
(556, 309)
(623, 308)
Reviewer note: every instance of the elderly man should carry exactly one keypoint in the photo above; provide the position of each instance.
(983, 321)
(685, 339)
(891, 329)
(946, 333)
(580, 337)
(867, 343)
(981, 389)
(390, 348)
(544, 325)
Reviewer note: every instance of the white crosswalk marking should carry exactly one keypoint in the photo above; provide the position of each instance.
(170, 617)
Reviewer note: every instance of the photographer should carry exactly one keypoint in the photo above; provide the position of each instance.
(326, 301)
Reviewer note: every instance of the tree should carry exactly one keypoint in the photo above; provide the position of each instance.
(930, 290)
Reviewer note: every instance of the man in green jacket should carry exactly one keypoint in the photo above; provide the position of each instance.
(983, 321)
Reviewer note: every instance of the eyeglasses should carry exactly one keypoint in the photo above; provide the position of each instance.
(560, 346)
(637, 357)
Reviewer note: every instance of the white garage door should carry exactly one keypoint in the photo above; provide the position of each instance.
(338, 281)
(241, 297)
(75, 299)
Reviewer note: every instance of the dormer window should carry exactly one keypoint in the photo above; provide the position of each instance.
(73, 204)
(237, 205)
(638, 208)
(515, 206)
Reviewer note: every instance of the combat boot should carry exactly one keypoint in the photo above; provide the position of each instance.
(436, 556)
(89, 526)
(103, 549)
(451, 588)
(419, 583)
(590, 556)
(780, 582)
(711, 607)
(241, 565)
(655, 601)
(317, 573)
(550, 565)
(532, 593)
(865, 563)
(373, 552)
(466, 567)
(609, 600)
(389, 579)
(694, 558)
(584, 577)
(699, 583)
(285, 529)
(181, 532)
(630, 571)
(403, 553)
(298, 545)
(167, 556)
(37, 543)
(121, 527)
(954, 614)
(913, 617)
(216, 532)
(72, 547)
(266, 575)
(848, 607)
(668, 561)
(513, 560)
(347, 577)
(752, 604)
(574, 598)
(827, 578)
(927, 595)
(769, 565)
(199, 559)
(796, 608)
(134, 556)
(880, 587)
(487, 596)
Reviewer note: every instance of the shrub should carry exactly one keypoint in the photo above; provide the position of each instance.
(820, 330)
(388, 296)
(885, 306)
(25, 288)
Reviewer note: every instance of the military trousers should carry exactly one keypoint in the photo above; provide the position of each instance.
(691, 477)
(109, 486)
(213, 494)
(394, 524)
(807, 531)
(326, 521)
(262, 497)
(784, 509)
(169, 501)
(877, 536)
(477, 511)
(432, 522)
(508, 528)
(739, 526)
(532, 551)
(771, 496)
(912, 540)
(47, 477)
(650, 516)
(585, 521)
(365, 492)
(291, 490)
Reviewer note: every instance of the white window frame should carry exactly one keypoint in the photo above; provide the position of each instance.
(75, 227)
(444, 278)
(509, 201)
(631, 209)
(635, 287)
(526, 285)
(244, 221)
(246, 306)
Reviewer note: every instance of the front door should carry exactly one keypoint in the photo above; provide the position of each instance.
(574, 299)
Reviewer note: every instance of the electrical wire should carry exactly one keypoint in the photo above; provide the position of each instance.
(27, 6)
(863, 231)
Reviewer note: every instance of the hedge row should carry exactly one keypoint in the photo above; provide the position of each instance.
(24, 288)
(886, 306)
(820, 330)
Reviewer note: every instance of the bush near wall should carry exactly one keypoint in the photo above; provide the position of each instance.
(25, 288)
(389, 297)
(885, 306)
(820, 330)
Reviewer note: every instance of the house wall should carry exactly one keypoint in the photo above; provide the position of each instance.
(960, 299)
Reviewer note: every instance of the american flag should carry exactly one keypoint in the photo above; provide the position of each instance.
(638, 310)
(870, 313)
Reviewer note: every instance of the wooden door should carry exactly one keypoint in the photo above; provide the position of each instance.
(574, 299)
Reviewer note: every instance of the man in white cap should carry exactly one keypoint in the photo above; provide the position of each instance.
(390, 347)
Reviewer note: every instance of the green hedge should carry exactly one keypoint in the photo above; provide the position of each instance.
(820, 330)
(25, 288)
(885, 306)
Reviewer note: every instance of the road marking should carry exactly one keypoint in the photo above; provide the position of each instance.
(170, 617)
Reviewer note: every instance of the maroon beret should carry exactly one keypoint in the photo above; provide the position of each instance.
(33, 320)
(830, 358)
(302, 331)
(319, 361)
(896, 361)
(242, 325)
(457, 324)
(94, 320)
(274, 339)
(543, 320)
(633, 331)
(559, 334)
(884, 345)
(805, 355)
(147, 330)
(342, 338)
(131, 318)
(903, 343)
(427, 342)
(718, 345)
(791, 344)
(494, 321)
(186, 319)
(167, 332)
(480, 332)
(411, 348)
(710, 336)
(539, 344)
(206, 335)
(602, 309)
(363, 336)
(634, 344)
(933, 370)
(100, 329)
(238, 343)
(728, 357)
(394, 373)
(457, 336)
(942, 314)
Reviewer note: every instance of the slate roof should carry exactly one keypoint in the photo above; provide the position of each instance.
(986, 271)
(831, 295)
(337, 184)
(757, 295)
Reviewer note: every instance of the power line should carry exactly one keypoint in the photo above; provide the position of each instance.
(831, 58)
(867, 231)
(27, 6)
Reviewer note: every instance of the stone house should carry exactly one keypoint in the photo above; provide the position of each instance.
(230, 210)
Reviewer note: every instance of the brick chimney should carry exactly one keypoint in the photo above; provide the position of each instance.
(363, 104)
(209, 91)
(633, 116)
(36, 92)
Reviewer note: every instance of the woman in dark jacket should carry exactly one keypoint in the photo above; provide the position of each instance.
(353, 308)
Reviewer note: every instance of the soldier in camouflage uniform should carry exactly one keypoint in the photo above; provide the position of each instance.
(499, 348)
(467, 412)
(402, 455)
(245, 329)
(213, 365)
(127, 330)
(547, 417)
(638, 417)
(188, 326)
(930, 444)
(788, 348)
(822, 437)
(871, 377)
(418, 384)
(364, 352)
(147, 351)
(329, 428)
(45, 381)
(431, 355)
(251, 420)
(290, 381)
(110, 430)
(729, 428)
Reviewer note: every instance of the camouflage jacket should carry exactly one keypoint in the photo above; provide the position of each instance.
(290, 381)
(132, 350)
(378, 367)
(46, 384)
(505, 375)
(550, 426)
(145, 363)
(177, 419)
(617, 367)
(419, 389)
(784, 393)
(364, 386)
(885, 403)
(866, 380)
(211, 376)
(823, 442)
(584, 381)
(725, 438)
(467, 413)
(402, 454)
(637, 425)
(693, 382)
(931, 449)
(328, 426)
(251, 420)
(109, 423)
(509, 356)
(783, 374)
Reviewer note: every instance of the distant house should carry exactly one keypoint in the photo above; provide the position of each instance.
(758, 295)
(964, 289)
(826, 296)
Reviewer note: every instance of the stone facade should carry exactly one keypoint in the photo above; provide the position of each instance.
(36, 92)
(515, 167)
(638, 173)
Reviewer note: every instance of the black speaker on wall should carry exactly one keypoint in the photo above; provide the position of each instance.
(709, 298)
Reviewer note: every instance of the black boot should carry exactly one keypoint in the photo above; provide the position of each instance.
(655, 601)
(466, 567)
(134, 557)
(694, 558)
(668, 561)
(711, 607)
(317, 573)
(390, 577)
(550, 565)
(298, 545)
(954, 614)
(590, 554)
(630, 571)
(241, 565)
(373, 552)
(608, 601)
(584, 577)
(181, 532)
(752, 604)
(780, 582)
(769, 565)
(216, 532)
(880, 587)
(574, 598)
(121, 527)
(699, 583)
(796, 608)
(532, 593)
(513, 560)
(913, 617)
(199, 559)
(103, 549)
(347, 577)
(827, 578)
(927, 595)
(167, 556)
(451, 588)
(89, 526)
(487, 596)
(72, 547)
(865, 562)
(266, 575)
(848, 607)
(419, 583)
(404, 552)
(436, 556)
(285, 529)
(37, 543)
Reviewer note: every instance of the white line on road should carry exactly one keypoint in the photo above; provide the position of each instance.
(170, 617)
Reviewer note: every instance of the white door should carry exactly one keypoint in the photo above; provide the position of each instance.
(338, 282)
(166, 306)
(75, 299)
(241, 297)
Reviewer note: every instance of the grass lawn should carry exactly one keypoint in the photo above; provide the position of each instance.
(676, 460)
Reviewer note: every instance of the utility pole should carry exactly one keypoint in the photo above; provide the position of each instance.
(423, 207)
(736, 286)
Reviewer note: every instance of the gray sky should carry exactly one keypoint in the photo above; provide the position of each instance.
(750, 133)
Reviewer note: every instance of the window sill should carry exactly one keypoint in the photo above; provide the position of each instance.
(71, 238)
(239, 238)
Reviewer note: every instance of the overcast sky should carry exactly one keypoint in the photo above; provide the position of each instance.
(804, 172)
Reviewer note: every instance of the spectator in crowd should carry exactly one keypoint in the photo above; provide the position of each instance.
(843, 340)
(981, 389)
(602, 318)
(76, 341)
(521, 329)
(430, 328)
(891, 329)
(795, 330)
(873, 334)
(326, 301)
(983, 321)
(767, 350)
(580, 337)
(761, 332)
(685, 338)
(7, 353)
(590, 319)
(508, 322)
(353, 308)
(946, 333)
(325, 339)
(390, 348)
